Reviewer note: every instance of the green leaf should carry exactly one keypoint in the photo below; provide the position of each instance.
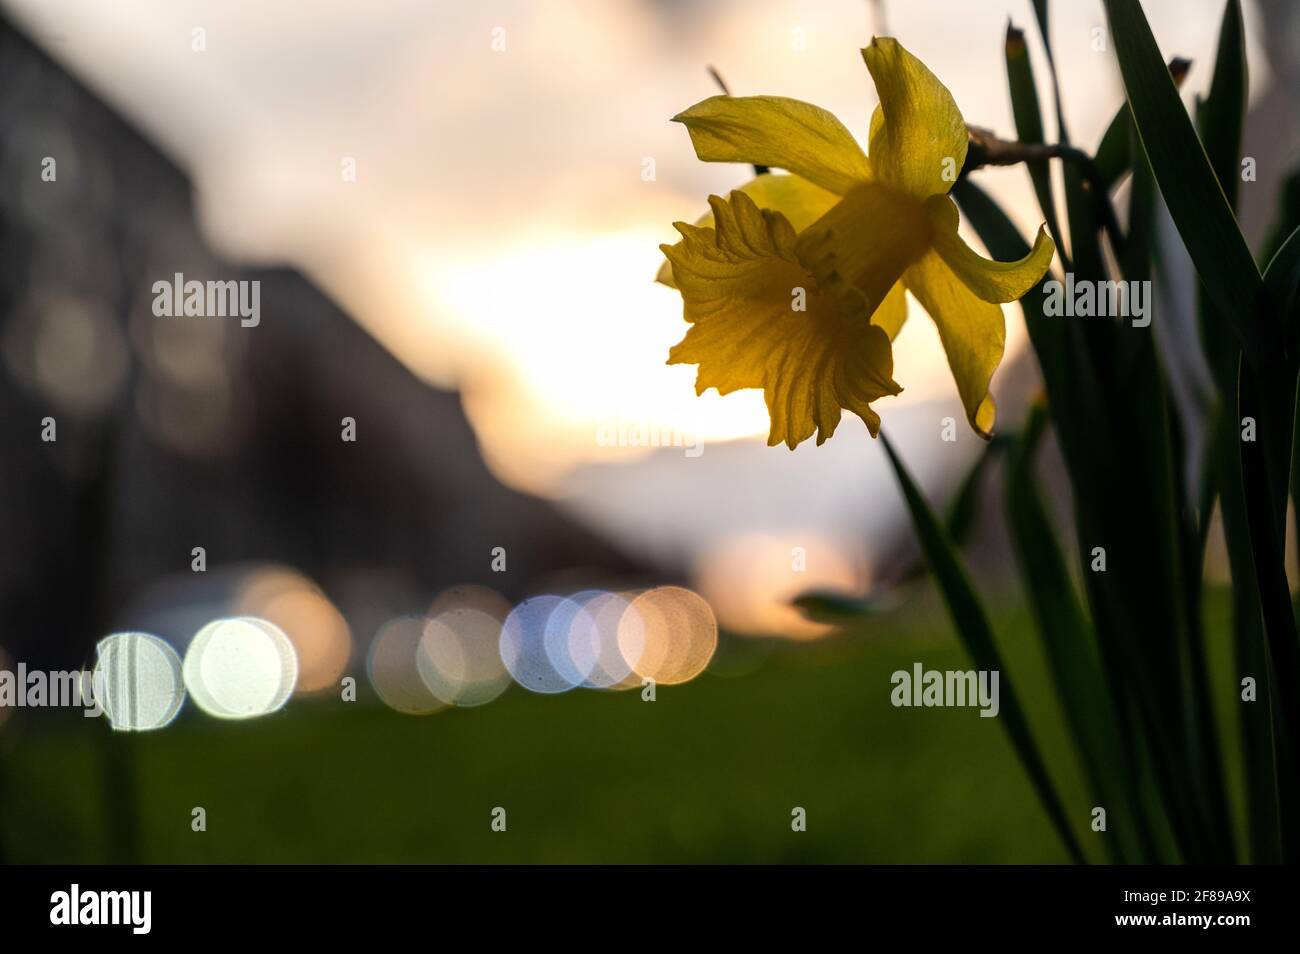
(1248, 642)
(1205, 221)
(1191, 191)
(1140, 247)
(1219, 120)
(1147, 597)
(1080, 201)
(1040, 14)
(1070, 650)
(1114, 155)
(1266, 477)
(835, 608)
(977, 636)
(1029, 128)
(1288, 218)
(1139, 610)
(965, 505)
(1259, 479)
(1223, 112)
(1220, 117)
(1282, 284)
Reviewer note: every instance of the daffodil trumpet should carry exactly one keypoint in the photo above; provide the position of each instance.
(796, 284)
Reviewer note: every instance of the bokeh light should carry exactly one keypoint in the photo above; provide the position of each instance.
(671, 634)
(610, 670)
(394, 671)
(571, 640)
(523, 645)
(471, 596)
(320, 635)
(240, 668)
(137, 681)
(67, 349)
(459, 658)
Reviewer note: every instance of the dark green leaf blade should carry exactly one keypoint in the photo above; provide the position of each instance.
(1220, 118)
(965, 506)
(1114, 155)
(976, 635)
(1071, 653)
(1267, 543)
(1029, 127)
(1137, 634)
(1188, 184)
(834, 608)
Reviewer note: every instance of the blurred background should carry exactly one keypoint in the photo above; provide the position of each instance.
(454, 214)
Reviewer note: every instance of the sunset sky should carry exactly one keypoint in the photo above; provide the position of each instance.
(501, 237)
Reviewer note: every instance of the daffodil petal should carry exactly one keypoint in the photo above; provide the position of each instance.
(860, 248)
(876, 132)
(891, 314)
(801, 202)
(774, 131)
(919, 143)
(759, 321)
(972, 331)
(993, 281)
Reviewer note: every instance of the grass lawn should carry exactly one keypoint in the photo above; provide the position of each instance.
(710, 771)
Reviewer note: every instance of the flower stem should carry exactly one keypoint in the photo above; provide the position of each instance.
(986, 149)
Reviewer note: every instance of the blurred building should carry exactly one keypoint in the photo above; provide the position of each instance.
(171, 433)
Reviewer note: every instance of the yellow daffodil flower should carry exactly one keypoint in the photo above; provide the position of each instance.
(758, 320)
(852, 232)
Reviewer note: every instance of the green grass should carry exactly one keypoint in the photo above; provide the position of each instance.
(708, 772)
